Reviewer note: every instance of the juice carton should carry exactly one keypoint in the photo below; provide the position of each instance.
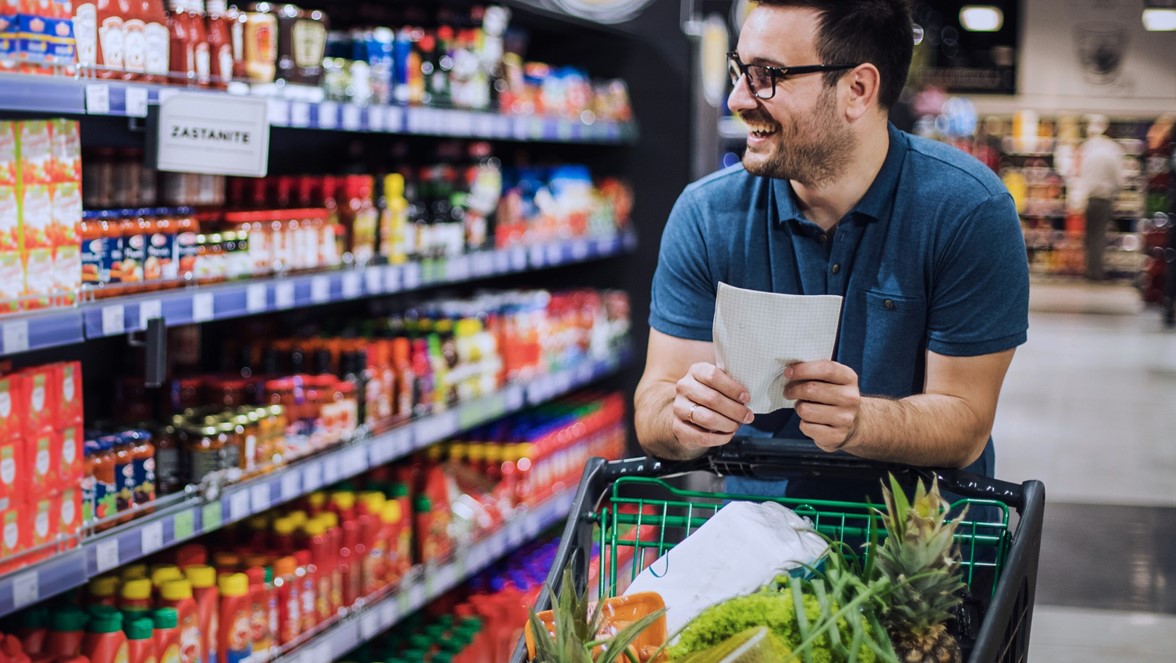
(67, 275)
(66, 147)
(69, 469)
(69, 379)
(41, 400)
(69, 515)
(65, 213)
(43, 454)
(8, 157)
(45, 512)
(34, 152)
(45, 39)
(39, 278)
(12, 401)
(12, 520)
(11, 265)
(13, 468)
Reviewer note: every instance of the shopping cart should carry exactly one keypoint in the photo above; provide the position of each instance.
(627, 509)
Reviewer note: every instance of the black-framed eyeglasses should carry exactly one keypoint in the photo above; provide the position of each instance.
(762, 79)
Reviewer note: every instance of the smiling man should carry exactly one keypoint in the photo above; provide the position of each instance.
(921, 240)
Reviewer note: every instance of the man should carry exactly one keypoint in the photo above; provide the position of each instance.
(1100, 165)
(923, 242)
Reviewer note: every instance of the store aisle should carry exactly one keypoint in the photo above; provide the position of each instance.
(1089, 407)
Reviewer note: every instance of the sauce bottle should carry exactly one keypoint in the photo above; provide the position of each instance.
(11, 650)
(143, 459)
(140, 634)
(161, 249)
(124, 474)
(204, 592)
(262, 602)
(136, 596)
(220, 46)
(110, 54)
(306, 582)
(103, 590)
(287, 585)
(187, 229)
(182, 52)
(32, 628)
(178, 594)
(134, 42)
(261, 43)
(322, 556)
(233, 638)
(104, 639)
(105, 486)
(198, 35)
(163, 574)
(167, 635)
(66, 630)
(158, 50)
(134, 232)
(205, 446)
(360, 217)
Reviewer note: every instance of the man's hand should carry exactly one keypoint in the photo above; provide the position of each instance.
(709, 406)
(828, 401)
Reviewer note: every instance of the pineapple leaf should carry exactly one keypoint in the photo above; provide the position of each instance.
(619, 643)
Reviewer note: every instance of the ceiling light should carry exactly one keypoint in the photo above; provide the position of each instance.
(1159, 20)
(981, 18)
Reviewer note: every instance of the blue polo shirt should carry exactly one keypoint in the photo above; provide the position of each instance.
(931, 258)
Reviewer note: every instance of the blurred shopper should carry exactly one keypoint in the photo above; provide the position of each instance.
(1100, 171)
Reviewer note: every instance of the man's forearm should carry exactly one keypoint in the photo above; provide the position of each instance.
(653, 417)
(933, 430)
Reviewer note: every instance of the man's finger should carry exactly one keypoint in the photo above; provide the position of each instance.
(704, 417)
(822, 371)
(717, 379)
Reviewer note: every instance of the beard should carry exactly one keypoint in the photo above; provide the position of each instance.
(814, 150)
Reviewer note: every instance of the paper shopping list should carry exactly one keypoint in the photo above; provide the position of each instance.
(759, 334)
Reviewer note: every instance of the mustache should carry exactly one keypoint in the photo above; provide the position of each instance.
(756, 117)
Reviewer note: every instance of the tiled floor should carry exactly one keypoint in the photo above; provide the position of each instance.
(1089, 407)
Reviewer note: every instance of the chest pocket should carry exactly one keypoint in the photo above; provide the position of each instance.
(896, 330)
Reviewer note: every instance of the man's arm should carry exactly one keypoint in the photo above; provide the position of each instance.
(946, 426)
(684, 404)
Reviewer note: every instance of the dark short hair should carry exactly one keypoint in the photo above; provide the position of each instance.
(860, 31)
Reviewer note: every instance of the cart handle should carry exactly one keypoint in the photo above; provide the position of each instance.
(774, 458)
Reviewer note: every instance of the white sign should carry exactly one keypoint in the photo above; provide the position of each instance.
(215, 135)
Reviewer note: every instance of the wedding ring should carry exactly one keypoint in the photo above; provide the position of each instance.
(691, 415)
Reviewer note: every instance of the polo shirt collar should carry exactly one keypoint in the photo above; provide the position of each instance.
(879, 198)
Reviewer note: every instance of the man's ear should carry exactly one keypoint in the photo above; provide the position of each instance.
(861, 87)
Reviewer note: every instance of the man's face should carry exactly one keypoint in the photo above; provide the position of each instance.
(799, 134)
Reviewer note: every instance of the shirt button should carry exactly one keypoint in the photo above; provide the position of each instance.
(836, 268)
(888, 304)
(822, 238)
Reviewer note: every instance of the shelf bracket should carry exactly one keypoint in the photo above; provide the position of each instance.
(155, 342)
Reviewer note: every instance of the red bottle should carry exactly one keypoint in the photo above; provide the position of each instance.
(306, 576)
(66, 630)
(220, 43)
(287, 586)
(182, 52)
(262, 602)
(141, 641)
(104, 639)
(204, 592)
(233, 637)
(167, 635)
(323, 561)
(178, 594)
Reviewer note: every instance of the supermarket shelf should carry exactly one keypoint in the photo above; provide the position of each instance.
(115, 316)
(195, 516)
(365, 622)
(70, 96)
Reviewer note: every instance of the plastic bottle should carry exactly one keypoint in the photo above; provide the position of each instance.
(32, 628)
(192, 554)
(263, 608)
(133, 572)
(140, 640)
(322, 556)
(286, 585)
(394, 244)
(204, 592)
(334, 534)
(136, 596)
(178, 594)
(167, 635)
(220, 43)
(103, 590)
(66, 631)
(283, 535)
(143, 463)
(163, 574)
(105, 486)
(306, 578)
(11, 651)
(104, 639)
(124, 475)
(233, 637)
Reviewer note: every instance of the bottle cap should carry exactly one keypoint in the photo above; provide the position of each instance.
(105, 622)
(314, 527)
(256, 575)
(284, 527)
(35, 617)
(133, 571)
(104, 586)
(285, 566)
(166, 574)
(176, 590)
(138, 589)
(299, 518)
(390, 514)
(236, 584)
(67, 619)
(141, 628)
(201, 576)
(329, 518)
(165, 618)
(343, 500)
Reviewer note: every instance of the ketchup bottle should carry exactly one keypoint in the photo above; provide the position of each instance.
(286, 586)
(178, 594)
(104, 639)
(167, 635)
(306, 578)
(233, 638)
(141, 640)
(65, 632)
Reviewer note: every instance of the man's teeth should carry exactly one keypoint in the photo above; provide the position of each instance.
(761, 129)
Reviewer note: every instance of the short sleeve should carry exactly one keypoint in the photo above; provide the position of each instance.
(980, 300)
(683, 298)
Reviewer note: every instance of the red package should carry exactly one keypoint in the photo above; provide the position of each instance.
(69, 515)
(69, 379)
(44, 515)
(13, 468)
(42, 399)
(69, 468)
(11, 401)
(12, 524)
(42, 455)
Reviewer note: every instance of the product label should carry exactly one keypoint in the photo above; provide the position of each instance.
(67, 273)
(37, 214)
(41, 462)
(185, 253)
(11, 532)
(37, 396)
(68, 391)
(167, 466)
(135, 46)
(69, 448)
(160, 252)
(105, 499)
(290, 628)
(203, 61)
(122, 655)
(67, 213)
(7, 466)
(309, 40)
(95, 266)
(170, 655)
(5, 401)
(214, 631)
(190, 641)
(239, 650)
(112, 260)
(224, 59)
(134, 255)
(36, 156)
(259, 628)
(85, 22)
(41, 522)
(204, 463)
(308, 612)
(124, 477)
(68, 511)
(111, 37)
(8, 153)
(157, 49)
(39, 276)
(89, 489)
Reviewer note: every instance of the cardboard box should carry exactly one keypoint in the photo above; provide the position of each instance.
(12, 400)
(66, 139)
(12, 527)
(43, 457)
(34, 151)
(41, 400)
(69, 379)
(65, 218)
(69, 515)
(11, 264)
(67, 275)
(70, 467)
(8, 157)
(45, 511)
(14, 468)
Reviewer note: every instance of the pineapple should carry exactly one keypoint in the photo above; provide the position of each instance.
(921, 563)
